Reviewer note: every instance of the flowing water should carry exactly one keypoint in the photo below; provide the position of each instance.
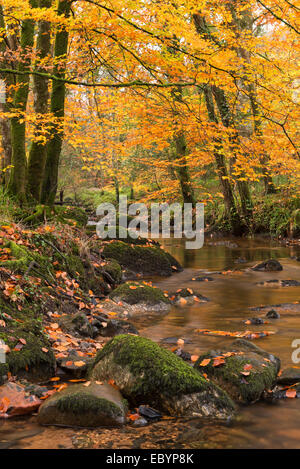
(232, 292)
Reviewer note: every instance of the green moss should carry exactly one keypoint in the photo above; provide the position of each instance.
(114, 269)
(139, 294)
(81, 402)
(21, 255)
(242, 388)
(123, 234)
(77, 214)
(145, 259)
(157, 371)
(75, 266)
(22, 258)
(31, 360)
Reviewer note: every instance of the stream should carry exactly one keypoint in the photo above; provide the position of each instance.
(232, 292)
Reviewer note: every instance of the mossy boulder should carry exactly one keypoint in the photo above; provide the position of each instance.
(31, 356)
(114, 269)
(125, 235)
(246, 372)
(21, 258)
(143, 296)
(149, 260)
(84, 406)
(148, 374)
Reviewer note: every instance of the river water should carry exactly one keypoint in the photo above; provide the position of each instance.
(232, 292)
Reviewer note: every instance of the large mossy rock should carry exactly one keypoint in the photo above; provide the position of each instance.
(144, 296)
(127, 236)
(114, 269)
(147, 260)
(242, 369)
(148, 374)
(84, 406)
(31, 355)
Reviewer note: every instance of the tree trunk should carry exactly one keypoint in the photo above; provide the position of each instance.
(9, 44)
(17, 182)
(57, 107)
(38, 150)
(181, 151)
(182, 170)
(229, 200)
(228, 121)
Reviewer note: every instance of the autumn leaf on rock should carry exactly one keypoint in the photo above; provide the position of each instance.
(205, 362)
(218, 361)
(291, 393)
(79, 364)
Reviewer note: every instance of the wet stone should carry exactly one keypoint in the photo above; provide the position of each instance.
(289, 376)
(271, 265)
(272, 314)
(203, 279)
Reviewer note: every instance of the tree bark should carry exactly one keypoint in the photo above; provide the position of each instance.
(228, 121)
(227, 190)
(17, 182)
(181, 152)
(38, 149)
(57, 107)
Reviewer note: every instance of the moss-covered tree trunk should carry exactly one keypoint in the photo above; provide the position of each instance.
(6, 45)
(57, 107)
(228, 121)
(17, 182)
(227, 190)
(180, 154)
(37, 154)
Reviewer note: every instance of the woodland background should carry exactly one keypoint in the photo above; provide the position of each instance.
(167, 101)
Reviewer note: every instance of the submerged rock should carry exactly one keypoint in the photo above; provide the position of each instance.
(150, 260)
(282, 308)
(185, 296)
(271, 265)
(279, 283)
(255, 321)
(242, 369)
(148, 374)
(203, 279)
(84, 406)
(289, 376)
(272, 314)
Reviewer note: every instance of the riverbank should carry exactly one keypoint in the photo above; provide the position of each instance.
(231, 251)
